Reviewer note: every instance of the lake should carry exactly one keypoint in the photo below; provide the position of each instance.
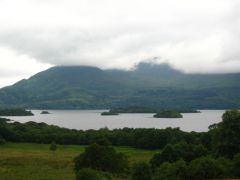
(92, 119)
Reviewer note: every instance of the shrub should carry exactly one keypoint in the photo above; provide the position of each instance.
(141, 171)
(2, 140)
(53, 146)
(171, 171)
(102, 157)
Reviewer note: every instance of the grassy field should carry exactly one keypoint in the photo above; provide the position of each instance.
(21, 161)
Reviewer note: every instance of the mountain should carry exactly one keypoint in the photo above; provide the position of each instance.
(85, 87)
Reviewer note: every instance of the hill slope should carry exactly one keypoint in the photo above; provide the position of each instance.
(148, 85)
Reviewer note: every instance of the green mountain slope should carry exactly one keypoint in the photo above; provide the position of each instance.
(84, 87)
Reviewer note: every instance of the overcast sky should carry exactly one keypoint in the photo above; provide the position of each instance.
(195, 36)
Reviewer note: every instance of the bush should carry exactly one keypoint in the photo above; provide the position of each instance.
(102, 157)
(226, 135)
(141, 171)
(2, 140)
(171, 171)
(90, 174)
(53, 146)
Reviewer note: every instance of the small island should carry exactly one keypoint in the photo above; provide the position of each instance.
(15, 112)
(168, 114)
(109, 113)
(45, 112)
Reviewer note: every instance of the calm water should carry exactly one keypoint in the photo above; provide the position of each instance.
(92, 119)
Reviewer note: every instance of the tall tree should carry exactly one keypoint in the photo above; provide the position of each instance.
(226, 135)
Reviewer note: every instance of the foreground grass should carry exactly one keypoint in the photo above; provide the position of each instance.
(23, 161)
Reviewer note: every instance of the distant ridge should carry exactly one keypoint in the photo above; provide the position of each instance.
(152, 85)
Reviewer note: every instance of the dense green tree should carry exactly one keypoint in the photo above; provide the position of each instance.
(90, 174)
(226, 166)
(205, 168)
(15, 112)
(236, 166)
(7, 133)
(171, 171)
(226, 135)
(102, 157)
(205, 139)
(182, 150)
(141, 171)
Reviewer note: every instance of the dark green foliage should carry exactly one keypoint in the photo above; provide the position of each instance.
(90, 174)
(171, 171)
(15, 112)
(172, 153)
(7, 133)
(158, 138)
(139, 138)
(226, 135)
(205, 139)
(168, 114)
(206, 168)
(200, 168)
(236, 165)
(104, 142)
(226, 166)
(141, 171)
(53, 146)
(108, 113)
(154, 86)
(102, 157)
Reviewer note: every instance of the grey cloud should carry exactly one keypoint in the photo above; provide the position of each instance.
(184, 41)
(73, 46)
(230, 48)
(102, 47)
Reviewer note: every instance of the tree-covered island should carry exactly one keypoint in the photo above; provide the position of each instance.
(45, 112)
(109, 113)
(15, 112)
(168, 114)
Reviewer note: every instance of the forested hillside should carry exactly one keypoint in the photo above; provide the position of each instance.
(161, 86)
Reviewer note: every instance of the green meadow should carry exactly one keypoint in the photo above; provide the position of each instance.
(24, 161)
